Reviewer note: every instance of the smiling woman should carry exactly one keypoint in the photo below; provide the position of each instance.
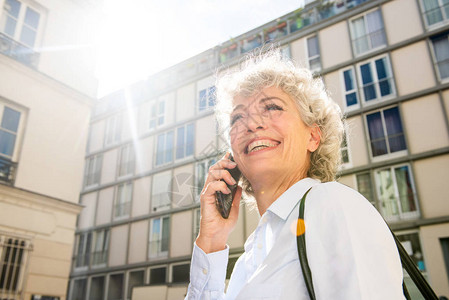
(285, 134)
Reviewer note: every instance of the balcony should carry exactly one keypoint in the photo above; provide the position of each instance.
(18, 51)
(7, 171)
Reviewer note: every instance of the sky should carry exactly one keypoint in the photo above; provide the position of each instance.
(138, 38)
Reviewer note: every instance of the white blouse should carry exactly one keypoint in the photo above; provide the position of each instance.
(350, 250)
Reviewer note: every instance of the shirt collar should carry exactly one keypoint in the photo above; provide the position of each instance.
(283, 206)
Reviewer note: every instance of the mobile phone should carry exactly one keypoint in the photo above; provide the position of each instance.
(224, 201)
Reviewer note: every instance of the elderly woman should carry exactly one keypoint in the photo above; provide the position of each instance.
(285, 135)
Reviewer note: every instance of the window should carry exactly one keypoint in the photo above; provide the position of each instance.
(9, 127)
(93, 170)
(113, 127)
(375, 78)
(385, 132)
(157, 114)
(96, 288)
(207, 98)
(127, 160)
(313, 51)
(158, 275)
(344, 149)
(196, 223)
(20, 22)
(440, 45)
(396, 193)
(367, 32)
(123, 200)
(79, 289)
(136, 278)
(159, 237)
(161, 191)
(164, 151)
(13, 259)
(435, 11)
(180, 273)
(82, 248)
(364, 186)
(115, 287)
(350, 88)
(101, 246)
(185, 139)
(202, 168)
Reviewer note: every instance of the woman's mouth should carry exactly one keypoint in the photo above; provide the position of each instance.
(259, 145)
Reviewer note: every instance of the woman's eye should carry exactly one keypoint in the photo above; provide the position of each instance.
(235, 118)
(273, 106)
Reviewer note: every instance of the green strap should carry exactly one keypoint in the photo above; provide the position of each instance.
(407, 262)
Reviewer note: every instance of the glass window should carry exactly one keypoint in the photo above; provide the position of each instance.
(344, 149)
(313, 51)
(115, 289)
(435, 11)
(368, 32)
(101, 245)
(185, 139)
(206, 98)
(159, 236)
(396, 193)
(202, 168)
(9, 126)
(181, 273)
(13, 257)
(385, 132)
(136, 278)
(376, 79)
(364, 186)
(123, 200)
(161, 191)
(93, 170)
(158, 275)
(20, 22)
(96, 288)
(157, 114)
(350, 85)
(79, 289)
(83, 248)
(164, 151)
(113, 130)
(440, 45)
(127, 160)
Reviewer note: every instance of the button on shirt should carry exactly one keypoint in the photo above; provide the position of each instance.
(351, 252)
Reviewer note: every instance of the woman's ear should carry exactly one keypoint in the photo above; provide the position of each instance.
(315, 138)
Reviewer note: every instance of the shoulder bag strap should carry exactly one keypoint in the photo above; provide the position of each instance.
(407, 262)
(301, 243)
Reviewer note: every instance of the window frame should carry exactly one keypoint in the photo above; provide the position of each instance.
(127, 281)
(401, 216)
(163, 177)
(199, 182)
(123, 200)
(209, 95)
(18, 249)
(372, 189)
(170, 156)
(445, 17)
(113, 132)
(318, 56)
(24, 6)
(106, 236)
(157, 116)
(160, 253)
(434, 58)
(18, 134)
(127, 161)
(372, 62)
(166, 280)
(345, 138)
(95, 164)
(171, 272)
(354, 90)
(388, 155)
(86, 251)
(352, 32)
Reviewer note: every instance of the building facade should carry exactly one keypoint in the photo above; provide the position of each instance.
(47, 89)
(385, 62)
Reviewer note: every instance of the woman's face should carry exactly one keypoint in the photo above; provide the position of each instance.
(268, 137)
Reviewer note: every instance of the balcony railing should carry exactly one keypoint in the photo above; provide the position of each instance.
(7, 170)
(18, 51)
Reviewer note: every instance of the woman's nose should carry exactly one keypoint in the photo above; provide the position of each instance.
(255, 121)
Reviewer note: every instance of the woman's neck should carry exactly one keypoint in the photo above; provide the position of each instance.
(268, 190)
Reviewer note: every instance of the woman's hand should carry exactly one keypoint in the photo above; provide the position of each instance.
(214, 229)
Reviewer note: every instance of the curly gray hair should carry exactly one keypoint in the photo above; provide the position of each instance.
(312, 100)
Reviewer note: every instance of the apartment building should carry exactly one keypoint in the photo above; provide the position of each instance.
(47, 90)
(385, 62)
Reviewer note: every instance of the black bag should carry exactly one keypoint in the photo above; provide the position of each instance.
(407, 262)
